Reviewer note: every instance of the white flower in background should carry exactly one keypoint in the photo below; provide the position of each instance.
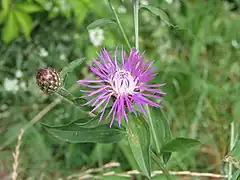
(169, 1)
(56, 9)
(62, 57)
(235, 43)
(43, 52)
(4, 107)
(18, 74)
(11, 85)
(121, 9)
(144, 2)
(96, 36)
(48, 5)
(22, 85)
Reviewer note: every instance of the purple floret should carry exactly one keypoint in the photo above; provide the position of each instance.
(124, 84)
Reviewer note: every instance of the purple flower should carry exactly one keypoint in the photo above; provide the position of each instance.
(123, 84)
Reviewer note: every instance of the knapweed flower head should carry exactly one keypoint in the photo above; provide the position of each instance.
(48, 80)
(122, 83)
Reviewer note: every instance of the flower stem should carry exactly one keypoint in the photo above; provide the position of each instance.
(230, 167)
(135, 20)
(119, 24)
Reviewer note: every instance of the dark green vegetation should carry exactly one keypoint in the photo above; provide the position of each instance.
(197, 55)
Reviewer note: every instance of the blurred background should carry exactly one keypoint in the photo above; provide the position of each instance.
(198, 58)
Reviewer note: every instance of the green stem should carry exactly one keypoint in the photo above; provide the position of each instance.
(68, 97)
(153, 129)
(230, 167)
(158, 162)
(119, 24)
(135, 20)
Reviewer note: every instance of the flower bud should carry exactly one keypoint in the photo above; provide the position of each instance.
(48, 80)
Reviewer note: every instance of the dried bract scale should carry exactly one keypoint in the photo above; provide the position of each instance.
(123, 83)
(48, 80)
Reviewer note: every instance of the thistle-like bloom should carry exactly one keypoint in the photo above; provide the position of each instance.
(122, 83)
(48, 80)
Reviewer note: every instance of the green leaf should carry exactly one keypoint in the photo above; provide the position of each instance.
(79, 16)
(236, 111)
(179, 145)
(5, 10)
(236, 150)
(25, 22)
(234, 156)
(236, 175)
(77, 134)
(166, 156)
(159, 163)
(28, 7)
(70, 67)
(159, 128)
(100, 23)
(3, 16)
(160, 131)
(6, 4)
(80, 10)
(139, 141)
(158, 12)
(10, 30)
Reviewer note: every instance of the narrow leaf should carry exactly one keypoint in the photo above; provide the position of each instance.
(236, 175)
(158, 12)
(180, 145)
(6, 4)
(3, 16)
(28, 7)
(139, 141)
(80, 10)
(100, 23)
(5, 10)
(159, 128)
(77, 134)
(160, 131)
(10, 30)
(25, 22)
(70, 67)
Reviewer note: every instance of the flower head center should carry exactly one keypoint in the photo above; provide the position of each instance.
(122, 82)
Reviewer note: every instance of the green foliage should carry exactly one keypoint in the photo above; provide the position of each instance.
(234, 155)
(236, 175)
(179, 145)
(139, 142)
(70, 67)
(17, 17)
(158, 12)
(159, 129)
(11, 29)
(76, 134)
(196, 52)
(28, 7)
(25, 22)
(101, 23)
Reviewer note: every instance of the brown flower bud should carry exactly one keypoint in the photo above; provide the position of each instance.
(48, 80)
